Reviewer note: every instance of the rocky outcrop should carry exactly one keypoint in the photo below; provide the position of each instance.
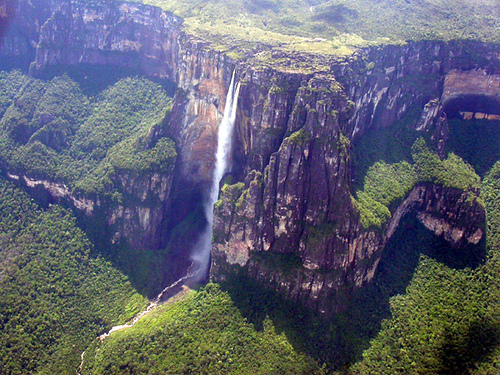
(57, 192)
(331, 258)
(455, 214)
(136, 220)
(120, 34)
(289, 221)
(474, 92)
(288, 218)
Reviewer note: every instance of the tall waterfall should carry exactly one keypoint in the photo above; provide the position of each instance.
(201, 253)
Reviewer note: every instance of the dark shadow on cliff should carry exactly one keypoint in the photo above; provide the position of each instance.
(7, 14)
(340, 340)
(476, 141)
(93, 79)
(151, 269)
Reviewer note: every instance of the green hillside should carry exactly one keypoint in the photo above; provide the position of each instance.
(51, 129)
(199, 332)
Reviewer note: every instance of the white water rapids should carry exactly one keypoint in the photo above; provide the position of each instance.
(201, 253)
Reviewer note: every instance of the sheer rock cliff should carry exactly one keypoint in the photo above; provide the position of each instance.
(287, 218)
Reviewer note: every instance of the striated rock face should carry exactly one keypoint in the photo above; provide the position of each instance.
(203, 78)
(385, 83)
(130, 35)
(452, 213)
(139, 219)
(115, 34)
(6, 15)
(288, 219)
(21, 31)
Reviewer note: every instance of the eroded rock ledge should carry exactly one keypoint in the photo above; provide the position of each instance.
(136, 220)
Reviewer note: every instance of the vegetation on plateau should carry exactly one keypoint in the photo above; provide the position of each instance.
(385, 185)
(334, 27)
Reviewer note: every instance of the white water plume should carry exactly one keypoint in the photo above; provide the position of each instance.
(201, 254)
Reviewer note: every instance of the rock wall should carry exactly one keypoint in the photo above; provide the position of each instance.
(288, 218)
(137, 220)
(123, 34)
(203, 77)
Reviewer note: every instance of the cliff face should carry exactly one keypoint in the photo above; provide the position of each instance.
(203, 78)
(110, 34)
(288, 220)
(117, 34)
(139, 219)
(21, 31)
(121, 34)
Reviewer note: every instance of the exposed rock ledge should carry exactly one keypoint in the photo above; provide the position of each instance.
(58, 191)
(453, 213)
(137, 220)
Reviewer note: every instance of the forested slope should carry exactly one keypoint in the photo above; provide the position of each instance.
(57, 292)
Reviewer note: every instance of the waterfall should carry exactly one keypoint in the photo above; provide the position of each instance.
(201, 253)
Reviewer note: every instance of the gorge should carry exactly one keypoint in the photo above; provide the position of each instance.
(328, 160)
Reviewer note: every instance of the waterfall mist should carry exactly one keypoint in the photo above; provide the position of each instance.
(201, 253)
